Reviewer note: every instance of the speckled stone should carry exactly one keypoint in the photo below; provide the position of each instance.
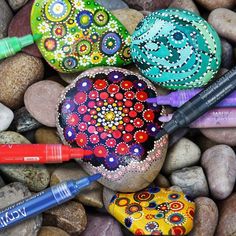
(219, 163)
(148, 5)
(16, 4)
(112, 4)
(10, 137)
(192, 181)
(13, 193)
(71, 217)
(226, 225)
(35, 177)
(24, 122)
(41, 100)
(183, 154)
(20, 26)
(52, 231)
(206, 217)
(5, 18)
(211, 5)
(129, 18)
(16, 75)
(47, 136)
(222, 136)
(188, 5)
(105, 225)
(224, 20)
(91, 196)
(6, 117)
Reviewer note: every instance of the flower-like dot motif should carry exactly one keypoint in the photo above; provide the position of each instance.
(108, 113)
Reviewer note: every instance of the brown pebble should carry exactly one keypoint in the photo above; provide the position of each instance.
(47, 136)
(161, 181)
(188, 5)
(206, 217)
(41, 100)
(16, 75)
(213, 4)
(226, 225)
(52, 231)
(70, 216)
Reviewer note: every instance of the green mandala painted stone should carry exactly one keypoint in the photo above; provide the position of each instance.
(176, 49)
(79, 34)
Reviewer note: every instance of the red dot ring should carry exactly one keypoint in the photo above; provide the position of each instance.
(111, 118)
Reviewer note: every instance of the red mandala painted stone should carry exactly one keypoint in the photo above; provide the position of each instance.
(106, 111)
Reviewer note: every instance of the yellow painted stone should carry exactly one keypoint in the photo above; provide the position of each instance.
(154, 211)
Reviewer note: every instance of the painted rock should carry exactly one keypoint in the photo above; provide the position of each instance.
(153, 211)
(176, 49)
(79, 34)
(104, 110)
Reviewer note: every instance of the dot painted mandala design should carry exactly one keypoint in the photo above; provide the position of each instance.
(176, 49)
(151, 212)
(107, 113)
(79, 34)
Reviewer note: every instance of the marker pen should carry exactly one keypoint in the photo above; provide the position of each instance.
(215, 118)
(10, 46)
(178, 98)
(39, 153)
(43, 201)
(201, 103)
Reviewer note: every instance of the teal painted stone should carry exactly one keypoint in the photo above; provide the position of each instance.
(176, 49)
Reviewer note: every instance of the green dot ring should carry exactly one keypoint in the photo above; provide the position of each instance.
(176, 49)
(79, 34)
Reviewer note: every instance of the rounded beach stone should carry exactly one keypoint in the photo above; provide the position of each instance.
(20, 26)
(153, 210)
(41, 100)
(211, 5)
(47, 136)
(219, 163)
(104, 110)
(10, 137)
(91, 37)
(70, 216)
(14, 193)
(206, 217)
(105, 225)
(112, 4)
(161, 181)
(52, 231)
(204, 143)
(24, 122)
(35, 177)
(226, 225)
(16, 75)
(148, 5)
(2, 183)
(69, 78)
(130, 18)
(224, 20)
(187, 40)
(183, 154)
(227, 54)
(16, 4)
(5, 18)
(192, 180)
(188, 5)
(91, 196)
(6, 117)
(222, 136)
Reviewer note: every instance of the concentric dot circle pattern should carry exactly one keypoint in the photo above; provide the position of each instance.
(79, 34)
(108, 113)
(154, 211)
(176, 49)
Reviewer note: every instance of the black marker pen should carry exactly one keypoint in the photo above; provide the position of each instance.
(201, 103)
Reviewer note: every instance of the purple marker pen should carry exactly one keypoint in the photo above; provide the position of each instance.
(43, 201)
(178, 98)
(215, 118)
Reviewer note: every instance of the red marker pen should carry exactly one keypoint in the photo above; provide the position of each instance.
(39, 153)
